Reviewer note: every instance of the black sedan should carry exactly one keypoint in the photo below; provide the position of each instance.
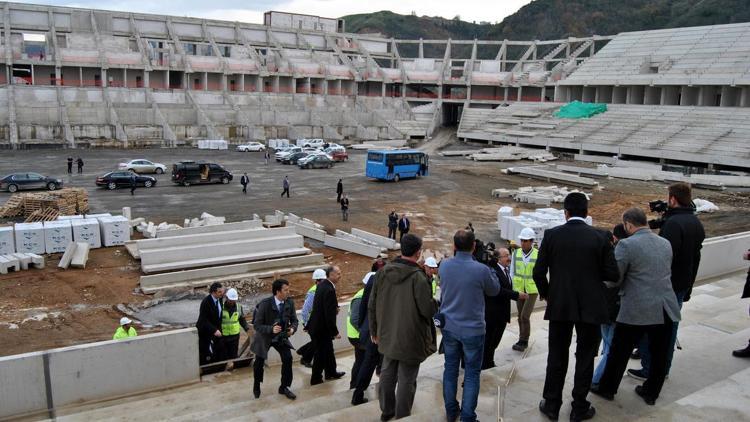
(293, 158)
(26, 181)
(121, 179)
(315, 161)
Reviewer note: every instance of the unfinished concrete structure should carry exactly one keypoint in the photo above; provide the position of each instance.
(78, 77)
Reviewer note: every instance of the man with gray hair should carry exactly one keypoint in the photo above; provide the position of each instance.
(648, 306)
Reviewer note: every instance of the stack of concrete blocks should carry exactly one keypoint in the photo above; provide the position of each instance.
(385, 242)
(57, 235)
(7, 241)
(115, 231)
(9, 263)
(226, 247)
(540, 195)
(212, 144)
(539, 220)
(20, 261)
(307, 228)
(351, 243)
(30, 238)
(274, 220)
(87, 230)
(278, 143)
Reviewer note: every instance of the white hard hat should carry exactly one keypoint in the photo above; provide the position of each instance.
(319, 274)
(232, 294)
(125, 320)
(526, 234)
(367, 276)
(431, 262)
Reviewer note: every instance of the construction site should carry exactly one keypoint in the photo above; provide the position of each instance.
(510, 127)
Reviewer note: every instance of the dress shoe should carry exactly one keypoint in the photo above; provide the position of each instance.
(306, 363)
(606, 396)
(335, 376)
(316, 382)
(553, 415)
(386, 417)
(359, 400)
(256, 390)
(636, 354)
(639, 374)
(588, 414)
(287, 392)
(520, 346)
(742, 353)
(639, 390)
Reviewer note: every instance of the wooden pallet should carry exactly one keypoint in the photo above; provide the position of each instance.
(46, 214)
(13, 207)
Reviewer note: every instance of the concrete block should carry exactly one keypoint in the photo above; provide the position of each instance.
(242, 225)
(30, 238)
(23, 259)
(722, 255)
(98, 216)
(137, 221)
(307, 231)
(115, 230)
(351, 246)
(7, 241)
(80, 255)
(344, 235)
(383, 241)
(87, 230)
(37, 261)
(212, 238)
(293, 218)
(69, 217)
(57, 235)
(9, 263)
(272, 221)
(127, 213)
(67, 256)
(23, 388)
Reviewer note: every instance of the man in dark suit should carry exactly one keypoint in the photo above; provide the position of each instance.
(209, 325)
(403, 226)
(322, 328)
(274, 320)
(497, 308)
(579, 259)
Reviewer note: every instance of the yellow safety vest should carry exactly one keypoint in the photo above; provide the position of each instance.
(230, 324)
(434, 284)
(120, 333)
(523, 274)
(351, 330)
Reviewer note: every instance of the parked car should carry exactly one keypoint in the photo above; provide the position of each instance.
(187, 173)
(314, 143)
(294, 158)
(337, 154)
(251, 146)
(121, 179)
(318, 161)
(26, 181)
(142, 166)
(281, 154)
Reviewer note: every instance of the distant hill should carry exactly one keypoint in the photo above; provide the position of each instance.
(554, 19)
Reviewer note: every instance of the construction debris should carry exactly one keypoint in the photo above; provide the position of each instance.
(539, 195)
(67, 256)
(539, 220)
(512, 153)
(545, 173)
(42, 205)
(80, 255)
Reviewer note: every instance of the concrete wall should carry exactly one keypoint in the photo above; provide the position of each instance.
(722, 255)
(97, 371)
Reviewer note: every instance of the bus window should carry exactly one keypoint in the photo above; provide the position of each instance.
(375, 156)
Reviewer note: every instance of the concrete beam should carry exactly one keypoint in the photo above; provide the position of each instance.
(211, 237)
(307, 231)
(242, 225)
(351, 246)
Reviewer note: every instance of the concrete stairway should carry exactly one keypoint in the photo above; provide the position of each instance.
(706, 382)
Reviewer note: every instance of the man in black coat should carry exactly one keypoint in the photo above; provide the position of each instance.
(403, 226)
(745, 353)
(209, 325)
(339, 190)
(497, 308)
(392, 224)
(244, 181)
(274, 321)
(372, 356)
(579, 259)
(322, 328)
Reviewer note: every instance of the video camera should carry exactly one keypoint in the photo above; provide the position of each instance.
(658, 206)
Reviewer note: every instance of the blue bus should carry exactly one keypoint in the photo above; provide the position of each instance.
(396, 164)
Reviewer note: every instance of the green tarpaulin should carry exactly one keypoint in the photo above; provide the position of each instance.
(579, 110)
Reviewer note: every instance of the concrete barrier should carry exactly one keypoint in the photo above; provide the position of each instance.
(383, 241)
(351, 246)
(40, 381)
(242, 225)
(307, 231)
(722, 255)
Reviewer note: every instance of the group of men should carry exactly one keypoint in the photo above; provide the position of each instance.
(402, 224)
(79, 164)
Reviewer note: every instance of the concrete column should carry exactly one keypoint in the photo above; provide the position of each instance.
(668, 95)
(105, 82)
(205, 81)
(745, 97)
(125, 77)
(146, 78)
(505, 95)
(706, 95)
(544, 93)
(224, 82)
(33, 79)
(382, 90)
(80, 76)
(518, 93)
(58, 75)
(276, 84)
(241, 87)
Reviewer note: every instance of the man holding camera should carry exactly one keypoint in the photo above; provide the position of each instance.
(680, 226)
(275, 320)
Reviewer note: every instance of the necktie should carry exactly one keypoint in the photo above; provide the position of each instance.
(281, 310)
(218, 306)
(507, 274)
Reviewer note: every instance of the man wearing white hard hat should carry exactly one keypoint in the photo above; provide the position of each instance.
(522, 273)
(125, 330)
(232, 320)
(431, 268)
(307, 351)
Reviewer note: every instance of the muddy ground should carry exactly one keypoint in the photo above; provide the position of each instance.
(40, 309)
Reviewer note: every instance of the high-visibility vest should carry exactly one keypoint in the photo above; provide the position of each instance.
(120, 333)
(434, 284)
(351, 330)
(230, 324)
(523, 274)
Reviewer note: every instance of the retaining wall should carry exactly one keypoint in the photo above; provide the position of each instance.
(723, 255)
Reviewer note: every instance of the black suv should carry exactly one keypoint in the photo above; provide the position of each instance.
(187, 173)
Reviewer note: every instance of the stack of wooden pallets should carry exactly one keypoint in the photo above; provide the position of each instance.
(46, 206)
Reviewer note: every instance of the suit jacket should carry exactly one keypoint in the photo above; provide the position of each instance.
(646, 291)
(209, 319)
(497, 308)
(579, 259)
(322, 323)
(265, 316)
(244, 180)
(404, 224)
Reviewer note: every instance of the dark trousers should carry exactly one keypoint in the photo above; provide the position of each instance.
(80, 169)
(588, 337)
(392, 232)
(285, 191)
(132, 190)
(70, 168)
(231, 346)
(307, 352)
(370, 362)
(338, 196)
(210, 349)
(244, 188)
(626, 337)
(401, 373)
(359, 357)
(324, 359)
(286, 366)
(401, 234)
(495, 330)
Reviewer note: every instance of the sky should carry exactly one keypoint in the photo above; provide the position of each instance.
(252, 11)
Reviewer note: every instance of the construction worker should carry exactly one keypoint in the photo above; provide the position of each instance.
(232, 319)
(431, 268)
(125, 330)
(522, 269)
(353, 320)
(307, 351)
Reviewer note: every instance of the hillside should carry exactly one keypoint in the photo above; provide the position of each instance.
(554, 19)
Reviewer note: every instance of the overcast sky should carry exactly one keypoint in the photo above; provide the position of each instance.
(252, 11)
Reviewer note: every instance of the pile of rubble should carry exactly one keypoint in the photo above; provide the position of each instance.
(46, 206)
(151, 230)
(539, 195)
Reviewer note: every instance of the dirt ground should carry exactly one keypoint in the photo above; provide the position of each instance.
(48, 308)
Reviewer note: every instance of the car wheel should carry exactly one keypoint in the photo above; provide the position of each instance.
(51, 186)
(148, 183)
(159, 171)
(12, 188)
(131, 170)
(186, 183)
(330, 165)
(111, 186)
(225, 180)
(396, 178)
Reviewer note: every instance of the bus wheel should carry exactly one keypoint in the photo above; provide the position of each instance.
(396, 178)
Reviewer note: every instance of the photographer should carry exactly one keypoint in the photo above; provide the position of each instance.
(683, 230)
(275, 320)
